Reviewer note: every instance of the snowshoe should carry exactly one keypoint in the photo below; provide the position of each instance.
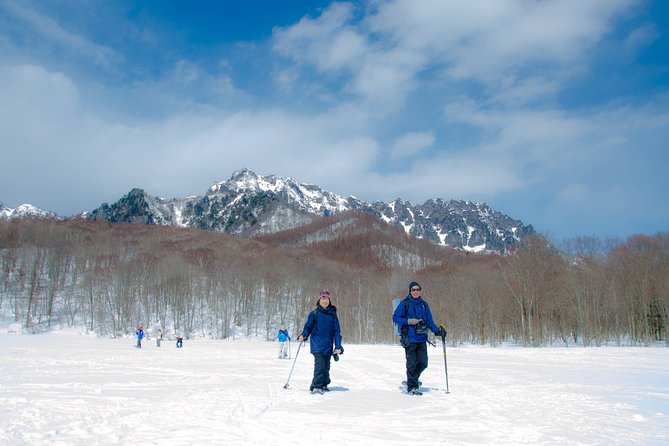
(415, 392)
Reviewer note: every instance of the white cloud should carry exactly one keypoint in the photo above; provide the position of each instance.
(483, 40)
(641, 37)
(488, 42)
(411, 143)
(53, 32)
(178, 155)
(327, 41)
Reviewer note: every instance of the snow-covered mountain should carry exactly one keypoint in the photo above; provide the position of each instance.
(248, 204)
(25, 210)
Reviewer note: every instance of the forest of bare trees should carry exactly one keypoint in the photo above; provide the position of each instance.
(109, 278)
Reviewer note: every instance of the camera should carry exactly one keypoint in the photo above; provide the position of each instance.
(421, 327)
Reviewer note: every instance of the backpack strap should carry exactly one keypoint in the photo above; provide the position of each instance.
(406, 308)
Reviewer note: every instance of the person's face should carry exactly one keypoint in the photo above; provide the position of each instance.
(324, 302)
(415, 291)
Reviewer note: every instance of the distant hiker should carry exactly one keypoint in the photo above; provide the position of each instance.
(283, 338)
(140, 336)
(180, 342)
(159, 337)
(414, 318)
(323, 326)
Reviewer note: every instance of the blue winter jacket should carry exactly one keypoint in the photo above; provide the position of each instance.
(140, 334)
(418, 309)
(325, 331)
(283, 336)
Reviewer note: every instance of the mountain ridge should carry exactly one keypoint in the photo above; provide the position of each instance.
(248, 204)
(24, 210)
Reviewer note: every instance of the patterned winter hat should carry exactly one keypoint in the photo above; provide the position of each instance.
(323, 293)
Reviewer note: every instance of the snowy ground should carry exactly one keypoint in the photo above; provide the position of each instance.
(71, 389)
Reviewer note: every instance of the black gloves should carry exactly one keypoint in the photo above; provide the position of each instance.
(441, 332)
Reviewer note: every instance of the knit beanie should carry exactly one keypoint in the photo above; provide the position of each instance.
(323, 293)
(413, 284)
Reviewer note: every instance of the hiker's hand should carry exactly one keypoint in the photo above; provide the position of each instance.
(337, 352)
(300, 338)
(413, 321)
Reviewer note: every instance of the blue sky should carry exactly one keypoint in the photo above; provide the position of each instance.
(552, 112)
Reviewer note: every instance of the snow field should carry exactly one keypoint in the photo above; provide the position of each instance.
(69, 389)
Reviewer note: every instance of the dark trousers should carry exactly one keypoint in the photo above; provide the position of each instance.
(321, 371)
(416, 362)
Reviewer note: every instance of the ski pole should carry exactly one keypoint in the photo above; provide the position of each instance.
(443, 343)
(294, 361)
(289, 354)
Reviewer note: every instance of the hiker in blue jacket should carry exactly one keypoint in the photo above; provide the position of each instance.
(414, 317)
(283, 338)
(323, 327)
(140, 335)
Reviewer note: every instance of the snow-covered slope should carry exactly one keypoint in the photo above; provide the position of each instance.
(69, 389)
(25, 210)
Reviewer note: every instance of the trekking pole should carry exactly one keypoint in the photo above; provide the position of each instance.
(443, 343)
(294, 361)
(289, 354)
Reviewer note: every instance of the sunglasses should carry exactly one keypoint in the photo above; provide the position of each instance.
(415, 289)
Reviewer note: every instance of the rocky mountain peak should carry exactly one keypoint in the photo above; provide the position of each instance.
(24, 210)
(250, 204)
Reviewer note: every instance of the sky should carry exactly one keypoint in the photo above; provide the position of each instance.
(555, 113)
(66, 388)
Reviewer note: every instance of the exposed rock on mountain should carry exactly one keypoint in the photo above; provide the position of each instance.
(248, 204)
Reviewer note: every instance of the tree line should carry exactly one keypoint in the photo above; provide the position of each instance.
(109, 278)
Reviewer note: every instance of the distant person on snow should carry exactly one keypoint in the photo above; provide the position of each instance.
(283, 338)
(140, 336)
(414, 318)
(180, 342)
(323, 326)
(159, 337)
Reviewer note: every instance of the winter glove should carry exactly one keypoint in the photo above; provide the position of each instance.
(413, 321)
(441, 332)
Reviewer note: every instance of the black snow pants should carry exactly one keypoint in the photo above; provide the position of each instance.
(416, 355)
(321, 371)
